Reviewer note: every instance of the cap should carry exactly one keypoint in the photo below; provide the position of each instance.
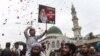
(36, 44)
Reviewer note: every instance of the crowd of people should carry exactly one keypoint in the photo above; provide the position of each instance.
(38, 49)
(35, 48)
(16, 51)
(69, 49)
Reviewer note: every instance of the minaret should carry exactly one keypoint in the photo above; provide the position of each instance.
(76, 28)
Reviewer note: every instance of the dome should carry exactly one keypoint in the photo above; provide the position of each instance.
(54, 29)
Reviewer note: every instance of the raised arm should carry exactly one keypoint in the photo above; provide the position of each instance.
(38, 37)
(43, 33)
(26, 32)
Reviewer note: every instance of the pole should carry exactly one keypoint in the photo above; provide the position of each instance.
(46, 29)
(46, 25)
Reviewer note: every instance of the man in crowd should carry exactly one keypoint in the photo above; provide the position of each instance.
(6, 51)
(61, 47)
(93, 51)
(43, 48)
(23, 52)
(31, 38)
(98, 48)
(68, 49)
(36, 50)
(85, 50)
(17, 50)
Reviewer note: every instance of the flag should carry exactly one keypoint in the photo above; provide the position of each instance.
(46, 14)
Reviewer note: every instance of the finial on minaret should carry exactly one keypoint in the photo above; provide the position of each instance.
(73, 9)
(73, 6)
(76, 29)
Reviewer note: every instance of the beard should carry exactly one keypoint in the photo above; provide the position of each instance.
(85, 53)
(67, 54)
(35, 54)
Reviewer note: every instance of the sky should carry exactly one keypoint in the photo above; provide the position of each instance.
(15, 15)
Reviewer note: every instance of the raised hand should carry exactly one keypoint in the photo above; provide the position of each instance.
(46, 31)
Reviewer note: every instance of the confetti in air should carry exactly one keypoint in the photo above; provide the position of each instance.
(17, 17)
(4, 23)
(3, 34)
(21, 0)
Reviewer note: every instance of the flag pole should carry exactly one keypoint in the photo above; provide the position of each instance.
(46, 25)
(46, 29)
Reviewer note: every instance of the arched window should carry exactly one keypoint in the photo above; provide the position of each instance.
(53, 44)
(48, 44)
(58, 44)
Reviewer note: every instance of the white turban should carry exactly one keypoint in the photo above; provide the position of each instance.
(36, 44)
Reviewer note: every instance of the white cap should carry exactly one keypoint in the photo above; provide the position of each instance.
(36, 44)
(92, 47)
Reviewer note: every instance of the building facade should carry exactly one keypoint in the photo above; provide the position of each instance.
(54, 39)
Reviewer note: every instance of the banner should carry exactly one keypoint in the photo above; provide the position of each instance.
(46, 14)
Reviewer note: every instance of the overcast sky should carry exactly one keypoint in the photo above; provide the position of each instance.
(14, 15)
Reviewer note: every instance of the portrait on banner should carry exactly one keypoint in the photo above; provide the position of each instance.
(46, 14)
